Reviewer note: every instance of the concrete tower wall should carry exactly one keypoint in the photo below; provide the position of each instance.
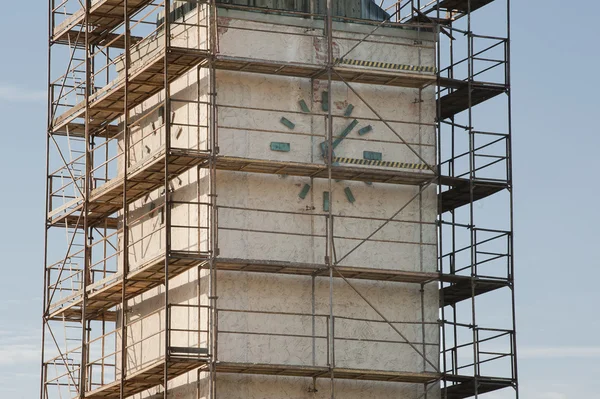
(272, 318)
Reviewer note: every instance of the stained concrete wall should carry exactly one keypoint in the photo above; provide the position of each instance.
(249, 111)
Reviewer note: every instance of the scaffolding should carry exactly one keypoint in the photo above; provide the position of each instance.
(108, 59)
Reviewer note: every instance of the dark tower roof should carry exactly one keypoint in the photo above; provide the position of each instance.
(358, 9)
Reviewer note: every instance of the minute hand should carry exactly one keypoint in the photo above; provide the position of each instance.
(341, 137)
(344, 133)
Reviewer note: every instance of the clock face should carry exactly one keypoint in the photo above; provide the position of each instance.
(353, 127)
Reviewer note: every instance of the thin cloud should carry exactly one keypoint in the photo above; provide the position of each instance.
(11, 93)
(19, 347)
(19, 336)
(551, 395)
(559, 352)
(9, 303)
(18, 354)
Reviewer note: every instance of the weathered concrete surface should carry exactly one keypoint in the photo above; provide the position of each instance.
(249, 113)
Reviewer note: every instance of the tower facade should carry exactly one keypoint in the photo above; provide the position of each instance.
(254, 200)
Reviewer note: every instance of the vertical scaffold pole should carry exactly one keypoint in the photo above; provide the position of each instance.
(167, 201)
(86, 191)
(125, 212)
(329, 257)
(47, 201)
(515, 374)
(212, 116)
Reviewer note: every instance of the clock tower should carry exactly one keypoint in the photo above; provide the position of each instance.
(254, 202)
(315, 204)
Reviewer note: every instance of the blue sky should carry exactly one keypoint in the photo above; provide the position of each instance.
(556, 144)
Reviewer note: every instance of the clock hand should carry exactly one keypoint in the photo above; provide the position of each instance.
(338, 140)
(344, 133)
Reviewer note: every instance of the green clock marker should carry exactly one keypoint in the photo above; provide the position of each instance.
(349, 110)
(304, 191)
(325, 101)
(287, 123)
(349, 195)
(326, 201)
(372, 156)
(365, 130)
(281, 147)
(303, 106)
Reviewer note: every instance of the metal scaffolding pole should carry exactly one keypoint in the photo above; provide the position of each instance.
(125, 212)
(212, 115)
(87, 190)
(167, 194)
(46, 279)
(328, 30)
(461, 224)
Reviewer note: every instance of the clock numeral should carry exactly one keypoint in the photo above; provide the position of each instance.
(286, 122)
(303, 106)
(349, 110)
(304, 191)
(325, 101)
(281, 147)
(365, 130)
(372, 156)
(349, 195)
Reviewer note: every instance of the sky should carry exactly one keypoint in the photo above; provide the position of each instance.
(555, 144)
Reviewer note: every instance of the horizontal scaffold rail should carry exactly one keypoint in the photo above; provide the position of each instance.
(458, 290)
(105, 294)
(450, 10)
(465, 386)
(459, 194)
(373, 73)
(321, 270)
(146, 378)
(108, 103)
(325, 372)
(465, 287)
(72, 221)
(149, 176)
(142, 179)
(339, 172)
(152, 376)
(459, 100)
(76, 39)
(77, 130)
(463, 6)
(104, 16)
